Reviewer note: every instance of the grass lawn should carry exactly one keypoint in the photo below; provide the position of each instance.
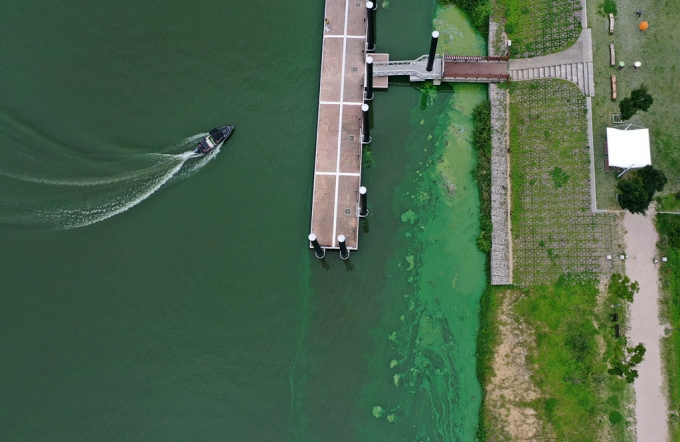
(581, 399)
(539, 27)
(553, 230)
(659, 52)
(670, 283)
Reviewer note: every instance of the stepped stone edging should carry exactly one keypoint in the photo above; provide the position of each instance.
(574, 64)
(501, 242)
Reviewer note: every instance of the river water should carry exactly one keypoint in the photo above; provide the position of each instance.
(149, 295)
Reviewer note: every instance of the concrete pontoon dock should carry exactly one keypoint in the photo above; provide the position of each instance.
(347, 81)
(337, 169)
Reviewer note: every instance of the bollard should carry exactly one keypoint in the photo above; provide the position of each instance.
(433, 51)
(318, 251)
(344, 253)
(366, 130)
(370, 31)
(369, 78)
(363, 204)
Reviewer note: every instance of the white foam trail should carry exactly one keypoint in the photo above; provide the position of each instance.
(85, 203)
(140, 198)
(146, 194)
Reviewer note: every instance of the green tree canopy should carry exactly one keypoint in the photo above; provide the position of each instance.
(640, 99)
(636, 192)
(622, 287)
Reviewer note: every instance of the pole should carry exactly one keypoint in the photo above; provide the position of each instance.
(369, 78)
(366, 129)
(363, 204)
(433, 51)
(344, 253)
(318, 251)
(370, 21)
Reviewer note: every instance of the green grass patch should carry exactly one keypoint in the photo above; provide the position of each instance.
(559, 177)
(668, 203)
(553, 230)
(540, 27)
(660, 57)
(669, 233)
(487, 340)
(570, 369)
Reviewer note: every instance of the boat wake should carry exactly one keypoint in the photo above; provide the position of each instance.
(64, 203)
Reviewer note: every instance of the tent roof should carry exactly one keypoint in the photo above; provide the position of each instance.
(628, 148)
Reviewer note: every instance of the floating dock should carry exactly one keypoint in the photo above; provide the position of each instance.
(348, 78)
(337, 168)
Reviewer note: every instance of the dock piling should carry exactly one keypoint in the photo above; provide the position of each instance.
(318, 251)
(369, 78)
(344, 253)
(370, 26)
(365, 129)
(433, 51)
(363, 203)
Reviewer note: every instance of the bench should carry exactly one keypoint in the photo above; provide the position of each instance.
(612, 55)
(611, 23)
(606, 148)
(606, 164)
(613, 87)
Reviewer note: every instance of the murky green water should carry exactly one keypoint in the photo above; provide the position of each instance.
(197, 313)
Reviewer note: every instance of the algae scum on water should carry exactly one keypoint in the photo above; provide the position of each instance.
(430, 366)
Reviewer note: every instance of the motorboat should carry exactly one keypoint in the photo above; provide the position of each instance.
(215, 138)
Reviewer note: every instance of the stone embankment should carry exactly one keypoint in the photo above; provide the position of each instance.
(501, 243)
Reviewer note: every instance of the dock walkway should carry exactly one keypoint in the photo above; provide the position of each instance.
(337, 169)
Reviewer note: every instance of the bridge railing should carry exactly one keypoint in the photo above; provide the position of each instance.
(464, 58)
(500, 76)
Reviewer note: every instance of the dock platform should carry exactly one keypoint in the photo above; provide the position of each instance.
(337, 168)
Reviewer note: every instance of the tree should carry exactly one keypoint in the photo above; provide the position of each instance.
(625, 360)
(639, 99)
(627, 109)
(622, 287)
(633, 196)
(654, 180)
(636, 193)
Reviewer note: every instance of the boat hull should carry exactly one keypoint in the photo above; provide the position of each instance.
(215, 138)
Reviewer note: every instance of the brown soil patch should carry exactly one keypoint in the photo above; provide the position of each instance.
(511, 391)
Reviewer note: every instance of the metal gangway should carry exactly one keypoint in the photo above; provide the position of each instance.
(416, 69)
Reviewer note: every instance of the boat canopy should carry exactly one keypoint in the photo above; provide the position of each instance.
(216, 134)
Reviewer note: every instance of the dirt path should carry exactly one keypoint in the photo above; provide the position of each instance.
(650, 404)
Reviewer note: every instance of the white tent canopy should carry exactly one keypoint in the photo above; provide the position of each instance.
(628, 149)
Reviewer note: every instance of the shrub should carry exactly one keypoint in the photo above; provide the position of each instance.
(478, 12)
(610, 7)
(674, 233)
(481, 140)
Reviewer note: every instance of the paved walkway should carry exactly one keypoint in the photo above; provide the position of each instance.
(574, 64)
(650, 404)
(337, 170)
